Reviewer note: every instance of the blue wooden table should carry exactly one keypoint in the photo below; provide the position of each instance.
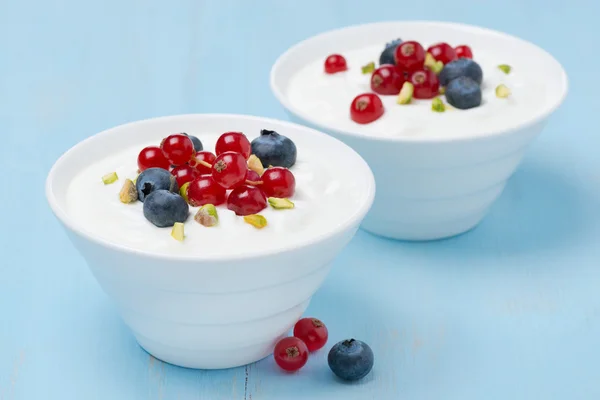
(510, 310)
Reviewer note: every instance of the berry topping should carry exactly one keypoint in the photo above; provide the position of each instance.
(387, 55)
(254, 164)
(154, 179)
(202, 158)
(426, 84)
(290, 354)
(207, 215)
(246, 200)
(233, 141)
(229, 169)
(442, 52)
(463, 93)
(312, 332)
(274, 149)
(196, 142)
(409, 56)
(278, 182)
(280, 204)
(335, 63)
(164, 208)
(177, 148)
(406, 94)
(128, 193)
(256, 220)
(366, 108)
(252, 178)
(437, 105)
(461, 67)
(367, 69)
(184, 174)
(152, 157)
(110, 178)
(204, 190)
(387, 80)
(502, 91)
(463, 51)
(351, 359)
(177, 232)
(505, 68)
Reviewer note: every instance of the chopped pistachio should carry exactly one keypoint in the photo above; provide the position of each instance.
(505, 68)
(442, 90)
(280, 204)
(437, 67)
(437, 105)
(177, 231)
(207, 215)
(110, 178)
(255, 164)
(367, 69)
(406, 94)
(429, 60)
(128, 193)
(134, 180)
(502, 91)
(183, 191)
(256, 220)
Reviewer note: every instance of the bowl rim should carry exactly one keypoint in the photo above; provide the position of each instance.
(487, 133)
(69, 222)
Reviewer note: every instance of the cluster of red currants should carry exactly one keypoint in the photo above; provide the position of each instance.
(291, 353)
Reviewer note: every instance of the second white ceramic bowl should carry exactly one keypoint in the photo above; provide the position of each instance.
(428, 187)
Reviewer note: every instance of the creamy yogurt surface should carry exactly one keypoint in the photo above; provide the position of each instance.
(326, 98)
(322, 202)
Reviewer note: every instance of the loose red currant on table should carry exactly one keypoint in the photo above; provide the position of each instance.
(229, 169)
(177, 148)
(409, 56)
(290, 354)
(278, 182)
(366, 108)
(335, 63)
(233, 141)
(205, 156)
(184, 174)
(387, 80)
(204, 190)
(312, 332)
(152, 157)
(246, 200)
(463, 51)
(426, 84)
(442, 52)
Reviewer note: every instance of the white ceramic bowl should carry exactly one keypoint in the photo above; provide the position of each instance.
(212, 312)
(429, 186)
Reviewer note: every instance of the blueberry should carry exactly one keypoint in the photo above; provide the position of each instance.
(387, 55)
(350, 359)
(463, 93)
(197, 143)
(164, 208)
(155, 179)
(274, 149)
(461, 67)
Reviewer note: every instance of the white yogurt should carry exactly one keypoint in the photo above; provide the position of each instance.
(326, 98)
(321, 201)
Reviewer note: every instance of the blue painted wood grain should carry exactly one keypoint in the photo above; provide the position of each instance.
(510, 310)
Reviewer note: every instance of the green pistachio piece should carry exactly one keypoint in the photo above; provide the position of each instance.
(128, 193)
(406, 93)
(437, 67)
(429, 61)
(110, 178)
(255, 164)
(442, 90)
(502, 91)
(505, 68)
(280, 204)
(256, 220)
(183, 191)
(437, 105)
(177, 232)
(367, 69)
(207, 215)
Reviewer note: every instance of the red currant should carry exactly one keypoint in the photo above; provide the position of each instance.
(335, 63)
(252, 176)
(290, 354)
(184, 174)
(204, 190)
(426, 83)
(246, 200)
(229, 169)
(366, 108)
(205, 156)
(463, 51)
(278, 182)
(442, 52)
(177, 148)
(312, 332)
(152, 157)
(410, 56)
(233, 141)
(387, 80)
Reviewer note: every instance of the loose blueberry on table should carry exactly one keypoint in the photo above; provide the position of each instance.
(351, 359)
